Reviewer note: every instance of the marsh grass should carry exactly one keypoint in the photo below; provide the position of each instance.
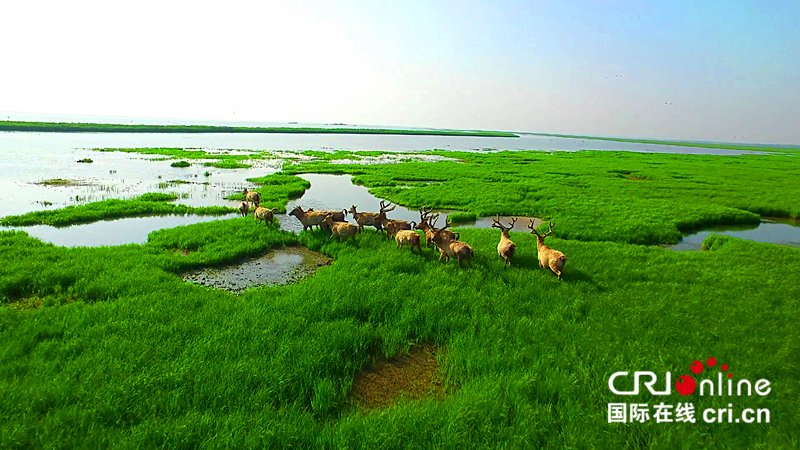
(109, 347)
(630, 197)
(61, 182)
(227, 164)
(180, 164)
(142, 359)
(146, 205)
(461, 217)
(719, 145)
(276, 190)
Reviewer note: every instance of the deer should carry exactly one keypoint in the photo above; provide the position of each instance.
(366, 219)
(252, 197)
(308, 218)
(506, 247)
(392, 226)
(408, 237)
(338, 216)
(427, 223)
(244, 208)
(450, 248)
(341, 229)
(264, 214)
(548, 257)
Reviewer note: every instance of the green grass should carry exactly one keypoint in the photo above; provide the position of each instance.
(63, 127)
(276, 190)
(227, 164)
(180, 164)
(146, 205)
(461, 217)
(720, 145)
(158, 197)
(85, 160)
(124, 354)
(641, 198)
(178, 153)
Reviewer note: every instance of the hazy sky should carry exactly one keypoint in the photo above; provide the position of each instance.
(707, 70)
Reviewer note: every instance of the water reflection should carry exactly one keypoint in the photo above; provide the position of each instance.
(770, 230)
(132, 230)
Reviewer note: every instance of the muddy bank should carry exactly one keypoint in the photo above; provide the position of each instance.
(278, 267)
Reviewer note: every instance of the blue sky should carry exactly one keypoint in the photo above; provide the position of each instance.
(711, 70)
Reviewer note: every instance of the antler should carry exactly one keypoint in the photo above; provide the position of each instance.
(533, 228)
(424, 213)
(496, 223)
(433, 219)
(513, 221)
(551, 230)
(390, 209)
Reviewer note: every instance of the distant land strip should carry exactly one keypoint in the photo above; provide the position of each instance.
(721, 145)
(65, 127)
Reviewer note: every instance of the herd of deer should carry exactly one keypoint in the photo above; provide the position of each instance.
(445, 240)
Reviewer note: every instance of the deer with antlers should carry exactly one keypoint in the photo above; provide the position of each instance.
(392, 226)
(548, 257)
(427, 222)
(506, 247)
(451, 248)
(367, 219)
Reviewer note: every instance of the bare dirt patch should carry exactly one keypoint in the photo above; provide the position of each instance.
(411, 376)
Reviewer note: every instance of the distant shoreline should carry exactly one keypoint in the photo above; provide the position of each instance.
(725, 146)
(67, 127)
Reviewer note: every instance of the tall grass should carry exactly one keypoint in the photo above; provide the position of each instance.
(135, 357)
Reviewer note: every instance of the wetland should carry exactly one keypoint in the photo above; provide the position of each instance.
(130, 319)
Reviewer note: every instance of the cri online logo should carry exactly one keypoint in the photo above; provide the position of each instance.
(686, 384)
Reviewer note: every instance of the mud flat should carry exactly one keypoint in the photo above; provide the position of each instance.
(279, 267)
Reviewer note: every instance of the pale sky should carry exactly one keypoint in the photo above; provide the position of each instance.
(701, 70)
